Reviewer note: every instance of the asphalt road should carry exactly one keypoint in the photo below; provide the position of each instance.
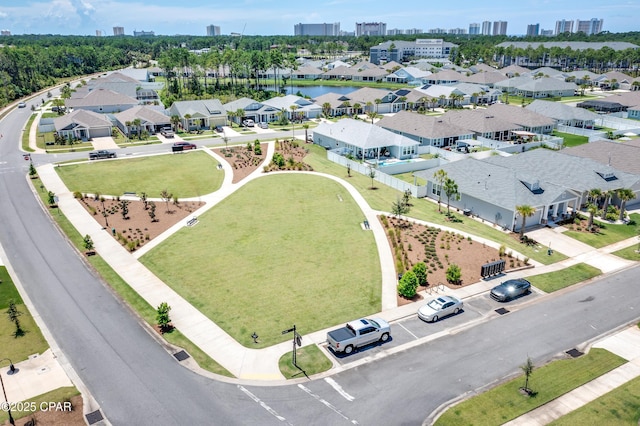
(136, 381)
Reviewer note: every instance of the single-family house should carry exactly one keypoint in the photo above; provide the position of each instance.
(446, 94)
(564, 114)
(304, 109)
(379, 100)
(363, 140)
(485, 78)
(444, 77)
(409, 75)
(529, 120)
(613, 80)
(102, 101)
(483, 124)
(514, 71)
(416, 100)
(620, 156)
(83, 125)
(334, 104)
(370, 74)
(546, 87)
(251, 109)
(150, 120)
(200, 114)
(338, 73)
(306, 72)
(424, 129)
(582, 77)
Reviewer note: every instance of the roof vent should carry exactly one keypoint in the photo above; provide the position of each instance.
(533, 186)
(608, 176)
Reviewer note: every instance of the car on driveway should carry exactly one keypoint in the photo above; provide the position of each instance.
(167, 133)
(248, 122)
(440, 307)
(185, 145)
(218, 129)
(263, 125)
(510, 289)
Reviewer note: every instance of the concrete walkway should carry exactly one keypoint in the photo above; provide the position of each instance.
(625, 344)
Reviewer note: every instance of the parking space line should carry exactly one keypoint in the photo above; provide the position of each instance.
(339, 389)
(414, 336)
(327, 404)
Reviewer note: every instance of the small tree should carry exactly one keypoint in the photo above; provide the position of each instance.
(152, 211)
(420, 270)
(87, 242)
(399, 208)
(13, 313)
(408, 285)
(32, 171)
(51, 198)
(454, 274)
(440, 176)
(527, 368)
(451, 191)
(525, 211)
(166, 197)
(349, 169)
(143, 198)
(372, 175)
(162, 317)
(124, 209)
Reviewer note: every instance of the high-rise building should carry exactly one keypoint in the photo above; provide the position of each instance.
(213, 30)
(414, 31)
(436, 31)
(5, 33)
(533, 29)
(143, 33)
(98, 33)
(592, 26)
(371, 28)
(499, 27)
(317, 29)
(118, 31)
(564, 26)
(457, 31)
(395, 31)
(474, 29)
(486, 28)
(548, 33)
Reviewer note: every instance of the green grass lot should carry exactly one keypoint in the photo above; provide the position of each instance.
(284, 249)
(621, 406)
(571, 140)
(630, 253)
(132, 298)
(408, 177)
(309, 358)
(504, 402)
(17, 348)
(557, 280)
(383, 196)
(56, 395)
(25, 134)
(185, 175)
(609, 234)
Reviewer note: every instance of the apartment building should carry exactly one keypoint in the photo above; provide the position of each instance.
(317, 29)
(401, 50)
(213, 30)
(371, 28)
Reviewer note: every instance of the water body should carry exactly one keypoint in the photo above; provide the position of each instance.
(315, 91)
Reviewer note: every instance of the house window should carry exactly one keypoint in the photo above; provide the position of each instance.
(436, 189)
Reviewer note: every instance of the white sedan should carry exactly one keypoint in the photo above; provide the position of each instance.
(440, 307)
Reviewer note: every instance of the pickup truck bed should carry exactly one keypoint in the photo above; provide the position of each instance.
(341, 334)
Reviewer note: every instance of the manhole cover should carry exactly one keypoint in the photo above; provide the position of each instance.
(574, 353)
(94, 417)
(181, 356)
(502, 311)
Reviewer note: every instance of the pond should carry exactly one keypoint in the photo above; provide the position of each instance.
(315, 91)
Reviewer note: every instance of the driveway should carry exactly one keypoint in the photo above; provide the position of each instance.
(104, 143)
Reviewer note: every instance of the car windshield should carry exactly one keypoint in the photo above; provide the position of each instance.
(435, 304)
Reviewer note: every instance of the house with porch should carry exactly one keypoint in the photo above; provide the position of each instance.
(102, 101)
(200, 114)
(306, 72)
(379, 100)
(151, 120)
(363, 140)
(530, 121)
(408, 75)
(483, 124)
(564, 114)
(254, 110)
(82, 125)
(305, 109)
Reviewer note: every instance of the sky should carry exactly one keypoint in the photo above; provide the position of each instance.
(267, 17)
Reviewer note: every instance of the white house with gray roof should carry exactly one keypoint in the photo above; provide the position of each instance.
(305, 108)
(102, 101)
(83, 125)
(564, 114)
(151, 120)
(363, 140)
(201, 114)
(251, 109)
(529, 120)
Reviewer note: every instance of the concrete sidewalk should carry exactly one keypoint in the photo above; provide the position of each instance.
(625, 344)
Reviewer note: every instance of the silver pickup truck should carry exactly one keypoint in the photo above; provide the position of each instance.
(358, 333)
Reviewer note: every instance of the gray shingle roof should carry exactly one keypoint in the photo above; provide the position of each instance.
(361, 134)
(422, 125)
(521, 116)
(622, 156)
(145, 114)
(101, 97)
(479, 120)
(201, 108)
(80, 117)
(560, 111)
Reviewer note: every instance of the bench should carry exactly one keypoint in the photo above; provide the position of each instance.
(192, 221)
(130, 193)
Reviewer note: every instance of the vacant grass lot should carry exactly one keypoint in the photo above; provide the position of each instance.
(570, 139)
(383, 196)
(609, 234)
(17, 348)
(553, 281)
(185, 175)
(621, 406)
(284, 249)
(504, 403)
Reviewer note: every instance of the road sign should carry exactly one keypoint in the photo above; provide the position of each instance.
(288, 331)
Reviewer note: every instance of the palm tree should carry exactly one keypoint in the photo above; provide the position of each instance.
(525, 211)
(175, 120)
(326, 109)
(451, 190)
(592, 204)
(377, 102)
(137, 123)
(305, 126)
(440, 177)
(624, 194)
(356, 108)
(293, 109)
(372, 115)
(606, 195)
(231, 116)
(187, 119)
(442, 98)
(128, 125)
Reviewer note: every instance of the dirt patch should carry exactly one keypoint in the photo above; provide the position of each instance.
(244, 159)
(139, 228)
(55, 417)
(412, 243)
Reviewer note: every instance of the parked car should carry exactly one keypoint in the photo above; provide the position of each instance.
(219, 129)
(510, 289)
(167, 133)
(440, 307)
(97, 155)
(22, 105)
(185, 145)
(248, 122)
(358, 333)
(263, 125)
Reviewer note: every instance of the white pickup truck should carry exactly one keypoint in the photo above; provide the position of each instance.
(358, 333)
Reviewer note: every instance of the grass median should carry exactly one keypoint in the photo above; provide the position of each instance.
(284, 249)
(504, 402)
(310, 360)
(553, 281)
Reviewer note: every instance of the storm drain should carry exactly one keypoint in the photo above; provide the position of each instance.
(181, 356)
(574, 353)
(94, 417)
(502, 311)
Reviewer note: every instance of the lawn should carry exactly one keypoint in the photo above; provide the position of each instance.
(609, 234)
(284, 249)
(630, 253)
(621, 406)
(566, 277)
(131, 297)
(504, 402)
(570, 139)
(17, 348)
(310, 359)
(58, 395)
(383, 196)
(185, 175)
(409, 177)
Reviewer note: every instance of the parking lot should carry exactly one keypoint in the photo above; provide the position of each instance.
(413, 328)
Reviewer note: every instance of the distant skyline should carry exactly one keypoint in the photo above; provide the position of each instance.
(267, 17)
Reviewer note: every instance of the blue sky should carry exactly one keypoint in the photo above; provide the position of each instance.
(267, 17)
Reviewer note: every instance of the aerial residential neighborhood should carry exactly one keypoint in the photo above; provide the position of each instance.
(334, 224)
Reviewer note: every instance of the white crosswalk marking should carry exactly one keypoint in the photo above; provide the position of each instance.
(339, 389)
(327, 404)
(263, 405)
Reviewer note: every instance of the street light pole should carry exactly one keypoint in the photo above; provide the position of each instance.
(12, 370)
